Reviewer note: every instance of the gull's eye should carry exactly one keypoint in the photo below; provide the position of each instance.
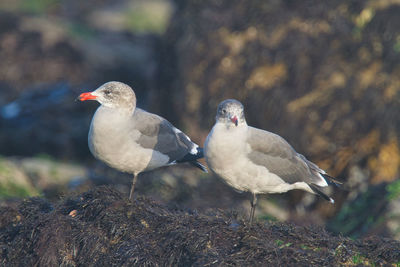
(107, 92)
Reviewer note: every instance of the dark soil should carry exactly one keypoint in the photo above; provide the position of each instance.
(102, 228)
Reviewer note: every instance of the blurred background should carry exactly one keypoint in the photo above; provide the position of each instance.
(325, 75)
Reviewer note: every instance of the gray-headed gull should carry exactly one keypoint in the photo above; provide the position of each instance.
(132, 140)
(257, 161)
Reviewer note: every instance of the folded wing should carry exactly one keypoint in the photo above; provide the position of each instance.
(278, 156)
(160, 135)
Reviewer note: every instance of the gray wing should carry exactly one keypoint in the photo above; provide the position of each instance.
(278, 156)
(159, 134)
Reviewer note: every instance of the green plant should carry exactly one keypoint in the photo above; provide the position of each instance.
(393, 190)
(281, 244)
(152, 16)
(38, 6)
(13, 190)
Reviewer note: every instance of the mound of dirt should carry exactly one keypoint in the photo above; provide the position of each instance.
(102, 228)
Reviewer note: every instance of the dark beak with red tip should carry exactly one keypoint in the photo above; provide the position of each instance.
(234, 119)
(86, 96)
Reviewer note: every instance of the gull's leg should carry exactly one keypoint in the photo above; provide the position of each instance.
(133, 186)
(253, 208)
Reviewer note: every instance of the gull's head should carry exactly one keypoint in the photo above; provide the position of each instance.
(112, 95)
(230, 112)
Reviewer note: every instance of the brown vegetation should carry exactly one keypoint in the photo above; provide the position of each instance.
(102, 228)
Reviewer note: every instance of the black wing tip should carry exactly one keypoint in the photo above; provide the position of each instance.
(322, 194)
(192, 157)
(200, 152)
(199, 165)
(331, 180)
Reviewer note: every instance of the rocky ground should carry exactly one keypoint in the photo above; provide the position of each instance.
(102, 228)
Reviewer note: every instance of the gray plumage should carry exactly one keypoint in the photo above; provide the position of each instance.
(274, 153)
(258, 161)
(132, 140)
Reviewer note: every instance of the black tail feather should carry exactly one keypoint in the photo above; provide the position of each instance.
(199, 165)
(322, 194)
(332, 180)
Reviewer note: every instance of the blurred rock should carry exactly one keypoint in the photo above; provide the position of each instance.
(64, 45)
(33, 55)
(375, 211)
(392, 218)
(14, 182)
(45, 120)
(47, 174)
(364, 215)
(23, 177)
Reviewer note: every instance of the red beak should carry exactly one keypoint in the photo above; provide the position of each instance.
(86, 96)
(234, 120)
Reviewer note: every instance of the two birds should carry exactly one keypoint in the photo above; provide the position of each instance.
(132, 140)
